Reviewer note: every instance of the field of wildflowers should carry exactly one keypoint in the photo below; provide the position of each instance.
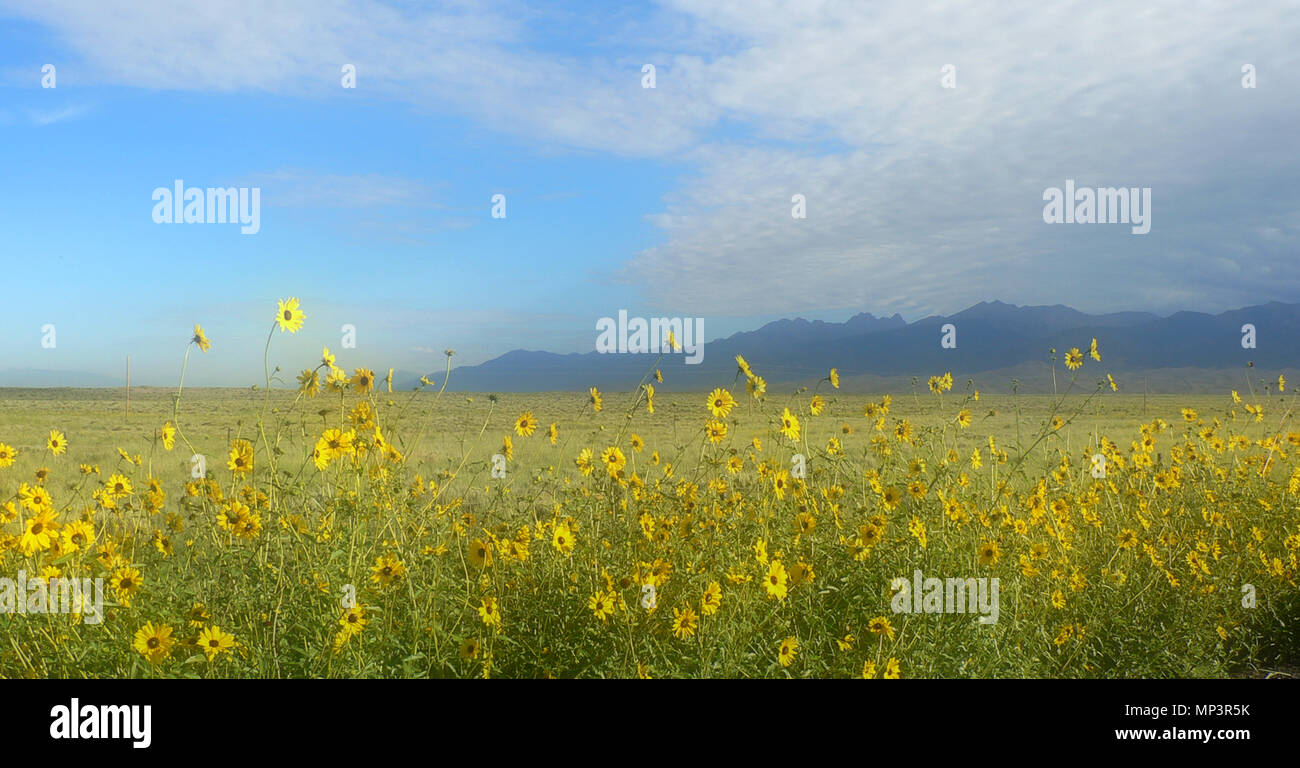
(341, 529)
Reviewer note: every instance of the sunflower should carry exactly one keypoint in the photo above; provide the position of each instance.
(353, 620)
(835, 378)
(801, 573)
(241, 457)
(716, 431)
(7, 455)
(891, 497)
(614, 460)
(685, 622)
(720, 403)
(126, 582)
(338, 443)
(526, 424)
(781, 483)
(198, 615)
(288, 316)
(989, 553)
(789, 648)
(917, 528)
(891, 669)
(168, 436)
(57, 443)
(711, 601)
(562, 539)
(480, 554)
(200, 338)
(213, 642)
(163, 544)
(39, 534)
(775, 582)
(790, 425)
(309, 382)
(387, 570)
(602, 605)
(117, 487)
(36, 498)
(363, 380)
(490, 612)
(596, 401)
(469, 648)
(78, 535)
(881, 626)
(1074, 359)
(337, 380)
(154, 643)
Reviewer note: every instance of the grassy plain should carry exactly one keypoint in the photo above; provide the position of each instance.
(755, 572)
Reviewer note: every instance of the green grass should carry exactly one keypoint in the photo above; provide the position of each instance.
(97, 424)
(278, 594)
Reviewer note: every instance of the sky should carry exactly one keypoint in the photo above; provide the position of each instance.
(676, 200)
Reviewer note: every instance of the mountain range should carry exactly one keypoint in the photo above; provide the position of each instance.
(996, 343)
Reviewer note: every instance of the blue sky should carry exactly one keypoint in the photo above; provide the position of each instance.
(671, 201)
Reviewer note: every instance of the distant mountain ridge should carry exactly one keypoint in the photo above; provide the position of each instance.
(992, 337)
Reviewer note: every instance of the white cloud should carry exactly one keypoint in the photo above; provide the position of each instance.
(928, 199)
(301, 188)
(461, 56)
(920, 198)
(44, 117)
